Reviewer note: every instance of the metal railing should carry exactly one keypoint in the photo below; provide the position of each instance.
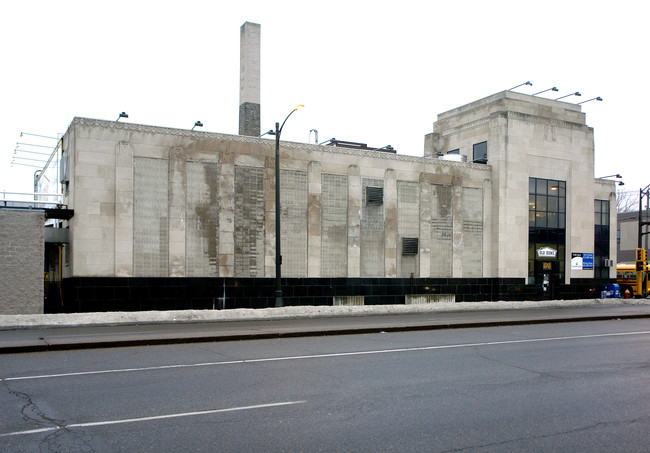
(31, 200)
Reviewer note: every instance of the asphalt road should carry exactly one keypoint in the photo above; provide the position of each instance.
(548, 387)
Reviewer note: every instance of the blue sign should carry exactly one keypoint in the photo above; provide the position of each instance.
(587, 261)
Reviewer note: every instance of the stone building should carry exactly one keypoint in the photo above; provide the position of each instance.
(627, 236)
(541, 154)
(502, 204)
(500, 207)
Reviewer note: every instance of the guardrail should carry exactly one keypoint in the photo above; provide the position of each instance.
(31, 200)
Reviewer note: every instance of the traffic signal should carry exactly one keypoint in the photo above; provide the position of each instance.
(640, 260)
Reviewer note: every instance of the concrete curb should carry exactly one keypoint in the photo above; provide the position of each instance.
(43, 346)
(39, 321)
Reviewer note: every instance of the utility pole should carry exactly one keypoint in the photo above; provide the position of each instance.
(641, 256)
(643, 193)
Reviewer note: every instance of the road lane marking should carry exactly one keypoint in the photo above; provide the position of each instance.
(327, 355)
(155, 417)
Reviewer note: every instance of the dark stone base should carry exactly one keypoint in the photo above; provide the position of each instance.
(97, 294)
(249, 119)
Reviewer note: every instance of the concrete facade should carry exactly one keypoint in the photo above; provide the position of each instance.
(527, 137)
(21, 267)
(158, 202)
(181, 204)
(162, 202)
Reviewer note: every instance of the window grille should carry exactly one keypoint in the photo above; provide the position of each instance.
(374, 196)
(410, 246)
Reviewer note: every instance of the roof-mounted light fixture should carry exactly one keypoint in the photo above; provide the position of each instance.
(122, 115)
(269, 132)
(197, 124)
(616, 176)
(521, 85)
(592, 99)
(328, 141)
(544, 91)
(577, 93)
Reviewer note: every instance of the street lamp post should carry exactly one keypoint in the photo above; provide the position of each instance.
(278, 252)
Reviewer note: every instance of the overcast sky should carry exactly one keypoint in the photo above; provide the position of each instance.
(376, 72)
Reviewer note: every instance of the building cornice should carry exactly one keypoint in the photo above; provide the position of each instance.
(524, 117)
(202, 135)
(465, 127)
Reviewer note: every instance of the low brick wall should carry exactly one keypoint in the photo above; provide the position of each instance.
(21, 261)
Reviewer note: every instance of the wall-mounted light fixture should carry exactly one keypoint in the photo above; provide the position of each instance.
(269, 132)
(617, 176)
(577, 93)
(122, 115)
(592, 99)
(521, 85)
(387, 148)
(544, 91)
(197, 124)
(328, 141)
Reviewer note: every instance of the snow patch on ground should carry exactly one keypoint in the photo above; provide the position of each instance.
(136, 317)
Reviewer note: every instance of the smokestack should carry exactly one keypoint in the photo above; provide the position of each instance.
(249, 80)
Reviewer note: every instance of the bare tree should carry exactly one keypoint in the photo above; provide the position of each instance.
(627, 200)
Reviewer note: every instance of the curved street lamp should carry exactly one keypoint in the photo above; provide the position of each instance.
(278, 255)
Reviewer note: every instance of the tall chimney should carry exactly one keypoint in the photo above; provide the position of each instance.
(249, 80)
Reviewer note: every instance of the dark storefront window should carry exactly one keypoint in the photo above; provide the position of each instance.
(601, 238)
(546, 223)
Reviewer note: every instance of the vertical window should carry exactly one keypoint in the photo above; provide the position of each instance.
(480, 153)
(546, 221)
(601, 238)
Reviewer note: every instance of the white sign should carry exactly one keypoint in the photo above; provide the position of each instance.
(576, 261)
(546, 252)
(582, 261)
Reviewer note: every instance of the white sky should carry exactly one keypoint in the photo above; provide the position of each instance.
(376, 72)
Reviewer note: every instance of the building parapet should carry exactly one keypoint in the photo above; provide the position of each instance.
(145, 129)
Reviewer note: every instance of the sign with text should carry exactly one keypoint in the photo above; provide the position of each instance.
(576, 261)
(546, 252)
(582, 261)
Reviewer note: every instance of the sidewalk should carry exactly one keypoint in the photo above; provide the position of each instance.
(31, 333)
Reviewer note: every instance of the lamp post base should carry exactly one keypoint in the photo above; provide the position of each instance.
(278, 299)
